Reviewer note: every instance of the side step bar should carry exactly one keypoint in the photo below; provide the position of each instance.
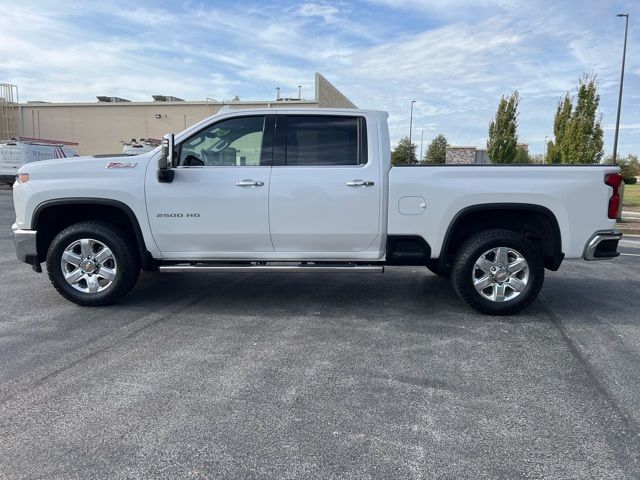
(204, 267)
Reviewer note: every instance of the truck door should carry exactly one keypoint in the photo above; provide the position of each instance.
(325, 188)
(217, 204)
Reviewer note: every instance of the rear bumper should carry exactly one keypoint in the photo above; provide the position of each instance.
(602, 245)
(25, 242)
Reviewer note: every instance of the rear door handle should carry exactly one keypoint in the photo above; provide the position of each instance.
(359, 183)
(247, 182)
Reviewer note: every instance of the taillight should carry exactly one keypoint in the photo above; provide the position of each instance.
(614, 180)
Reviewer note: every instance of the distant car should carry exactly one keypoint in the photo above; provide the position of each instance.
(138, 147)
(15, 153)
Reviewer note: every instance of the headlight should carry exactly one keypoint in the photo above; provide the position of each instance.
(22, 177)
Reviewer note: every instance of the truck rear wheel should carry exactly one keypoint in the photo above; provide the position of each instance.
(498, 272)
(93, 263)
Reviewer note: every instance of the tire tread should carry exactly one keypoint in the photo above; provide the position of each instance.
(128, 260)
(469, 248)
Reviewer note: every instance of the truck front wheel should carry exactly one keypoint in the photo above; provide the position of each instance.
(93, 263)
(498, 272)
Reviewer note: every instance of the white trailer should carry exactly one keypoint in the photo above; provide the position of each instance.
(16, 153)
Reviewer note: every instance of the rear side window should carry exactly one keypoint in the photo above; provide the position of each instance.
(323, 140)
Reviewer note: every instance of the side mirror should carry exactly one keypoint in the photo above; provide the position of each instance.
(165, 164)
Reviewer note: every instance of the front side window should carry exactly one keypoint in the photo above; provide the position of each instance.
(233, 142)
(322, 140)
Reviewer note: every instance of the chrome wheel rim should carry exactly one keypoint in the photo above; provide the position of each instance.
(88, 265)
(500, 274)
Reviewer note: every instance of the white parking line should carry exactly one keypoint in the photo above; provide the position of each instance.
(629, 241)
(631, 254)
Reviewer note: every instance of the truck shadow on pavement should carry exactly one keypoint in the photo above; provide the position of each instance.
(396, 295)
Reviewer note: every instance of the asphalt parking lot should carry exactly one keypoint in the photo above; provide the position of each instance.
(319, 376)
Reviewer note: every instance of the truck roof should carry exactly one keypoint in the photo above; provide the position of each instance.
(379, 114)
(316, 110)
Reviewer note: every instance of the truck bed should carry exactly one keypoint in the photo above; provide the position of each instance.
(576, 195)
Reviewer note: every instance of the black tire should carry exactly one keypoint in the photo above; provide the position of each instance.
(438, 269)
(462, 274)
(124, 251)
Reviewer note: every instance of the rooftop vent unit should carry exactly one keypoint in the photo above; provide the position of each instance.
(102, 98)
(166, 98)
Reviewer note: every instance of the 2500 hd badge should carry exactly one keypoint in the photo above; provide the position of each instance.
(178, 215)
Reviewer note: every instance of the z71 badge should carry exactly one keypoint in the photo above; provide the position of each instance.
(121, 164)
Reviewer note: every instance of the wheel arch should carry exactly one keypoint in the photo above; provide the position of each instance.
(51, 216)
(536, 221)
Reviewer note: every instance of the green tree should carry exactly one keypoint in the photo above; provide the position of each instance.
(537, 158)
(522, 154)
(437, 151)
(577, 129)
(404, 153)
(503, 136)
(560, 126)
(629, 168)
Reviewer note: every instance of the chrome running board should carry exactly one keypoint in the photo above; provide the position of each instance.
(317, 268)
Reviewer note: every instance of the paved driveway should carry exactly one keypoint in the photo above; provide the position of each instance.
(319, 376)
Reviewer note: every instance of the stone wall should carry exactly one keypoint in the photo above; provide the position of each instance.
(460, 155)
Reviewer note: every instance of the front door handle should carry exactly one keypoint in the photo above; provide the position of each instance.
(359, 183)
(247, 182)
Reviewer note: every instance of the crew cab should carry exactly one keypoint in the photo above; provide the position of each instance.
(307, 190)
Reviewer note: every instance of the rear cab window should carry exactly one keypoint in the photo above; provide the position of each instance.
(321, 140)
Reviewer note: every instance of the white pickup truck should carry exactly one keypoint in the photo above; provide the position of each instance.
(307, 190)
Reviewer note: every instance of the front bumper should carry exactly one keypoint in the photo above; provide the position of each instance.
(602, 245)
(25, 242)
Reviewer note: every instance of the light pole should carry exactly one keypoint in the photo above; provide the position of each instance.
(421, 143)
(624, 54)
(410, 127)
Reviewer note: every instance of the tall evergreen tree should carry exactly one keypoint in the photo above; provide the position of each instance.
(503, 136)
(404, 153)
(522, 154)
(437, 151)
(560, 126)
(577, 129)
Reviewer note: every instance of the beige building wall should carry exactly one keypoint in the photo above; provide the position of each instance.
(329, 96)
(101, 127)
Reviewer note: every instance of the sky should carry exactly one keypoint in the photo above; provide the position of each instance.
(454, 57)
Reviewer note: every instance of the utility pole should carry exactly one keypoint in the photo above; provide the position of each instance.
(624, 54)
(410, 128)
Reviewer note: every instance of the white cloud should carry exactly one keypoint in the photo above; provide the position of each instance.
(455, 57)
(623, 126)
(325, 11)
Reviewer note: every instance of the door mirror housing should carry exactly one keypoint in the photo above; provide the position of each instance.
(166, 162)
